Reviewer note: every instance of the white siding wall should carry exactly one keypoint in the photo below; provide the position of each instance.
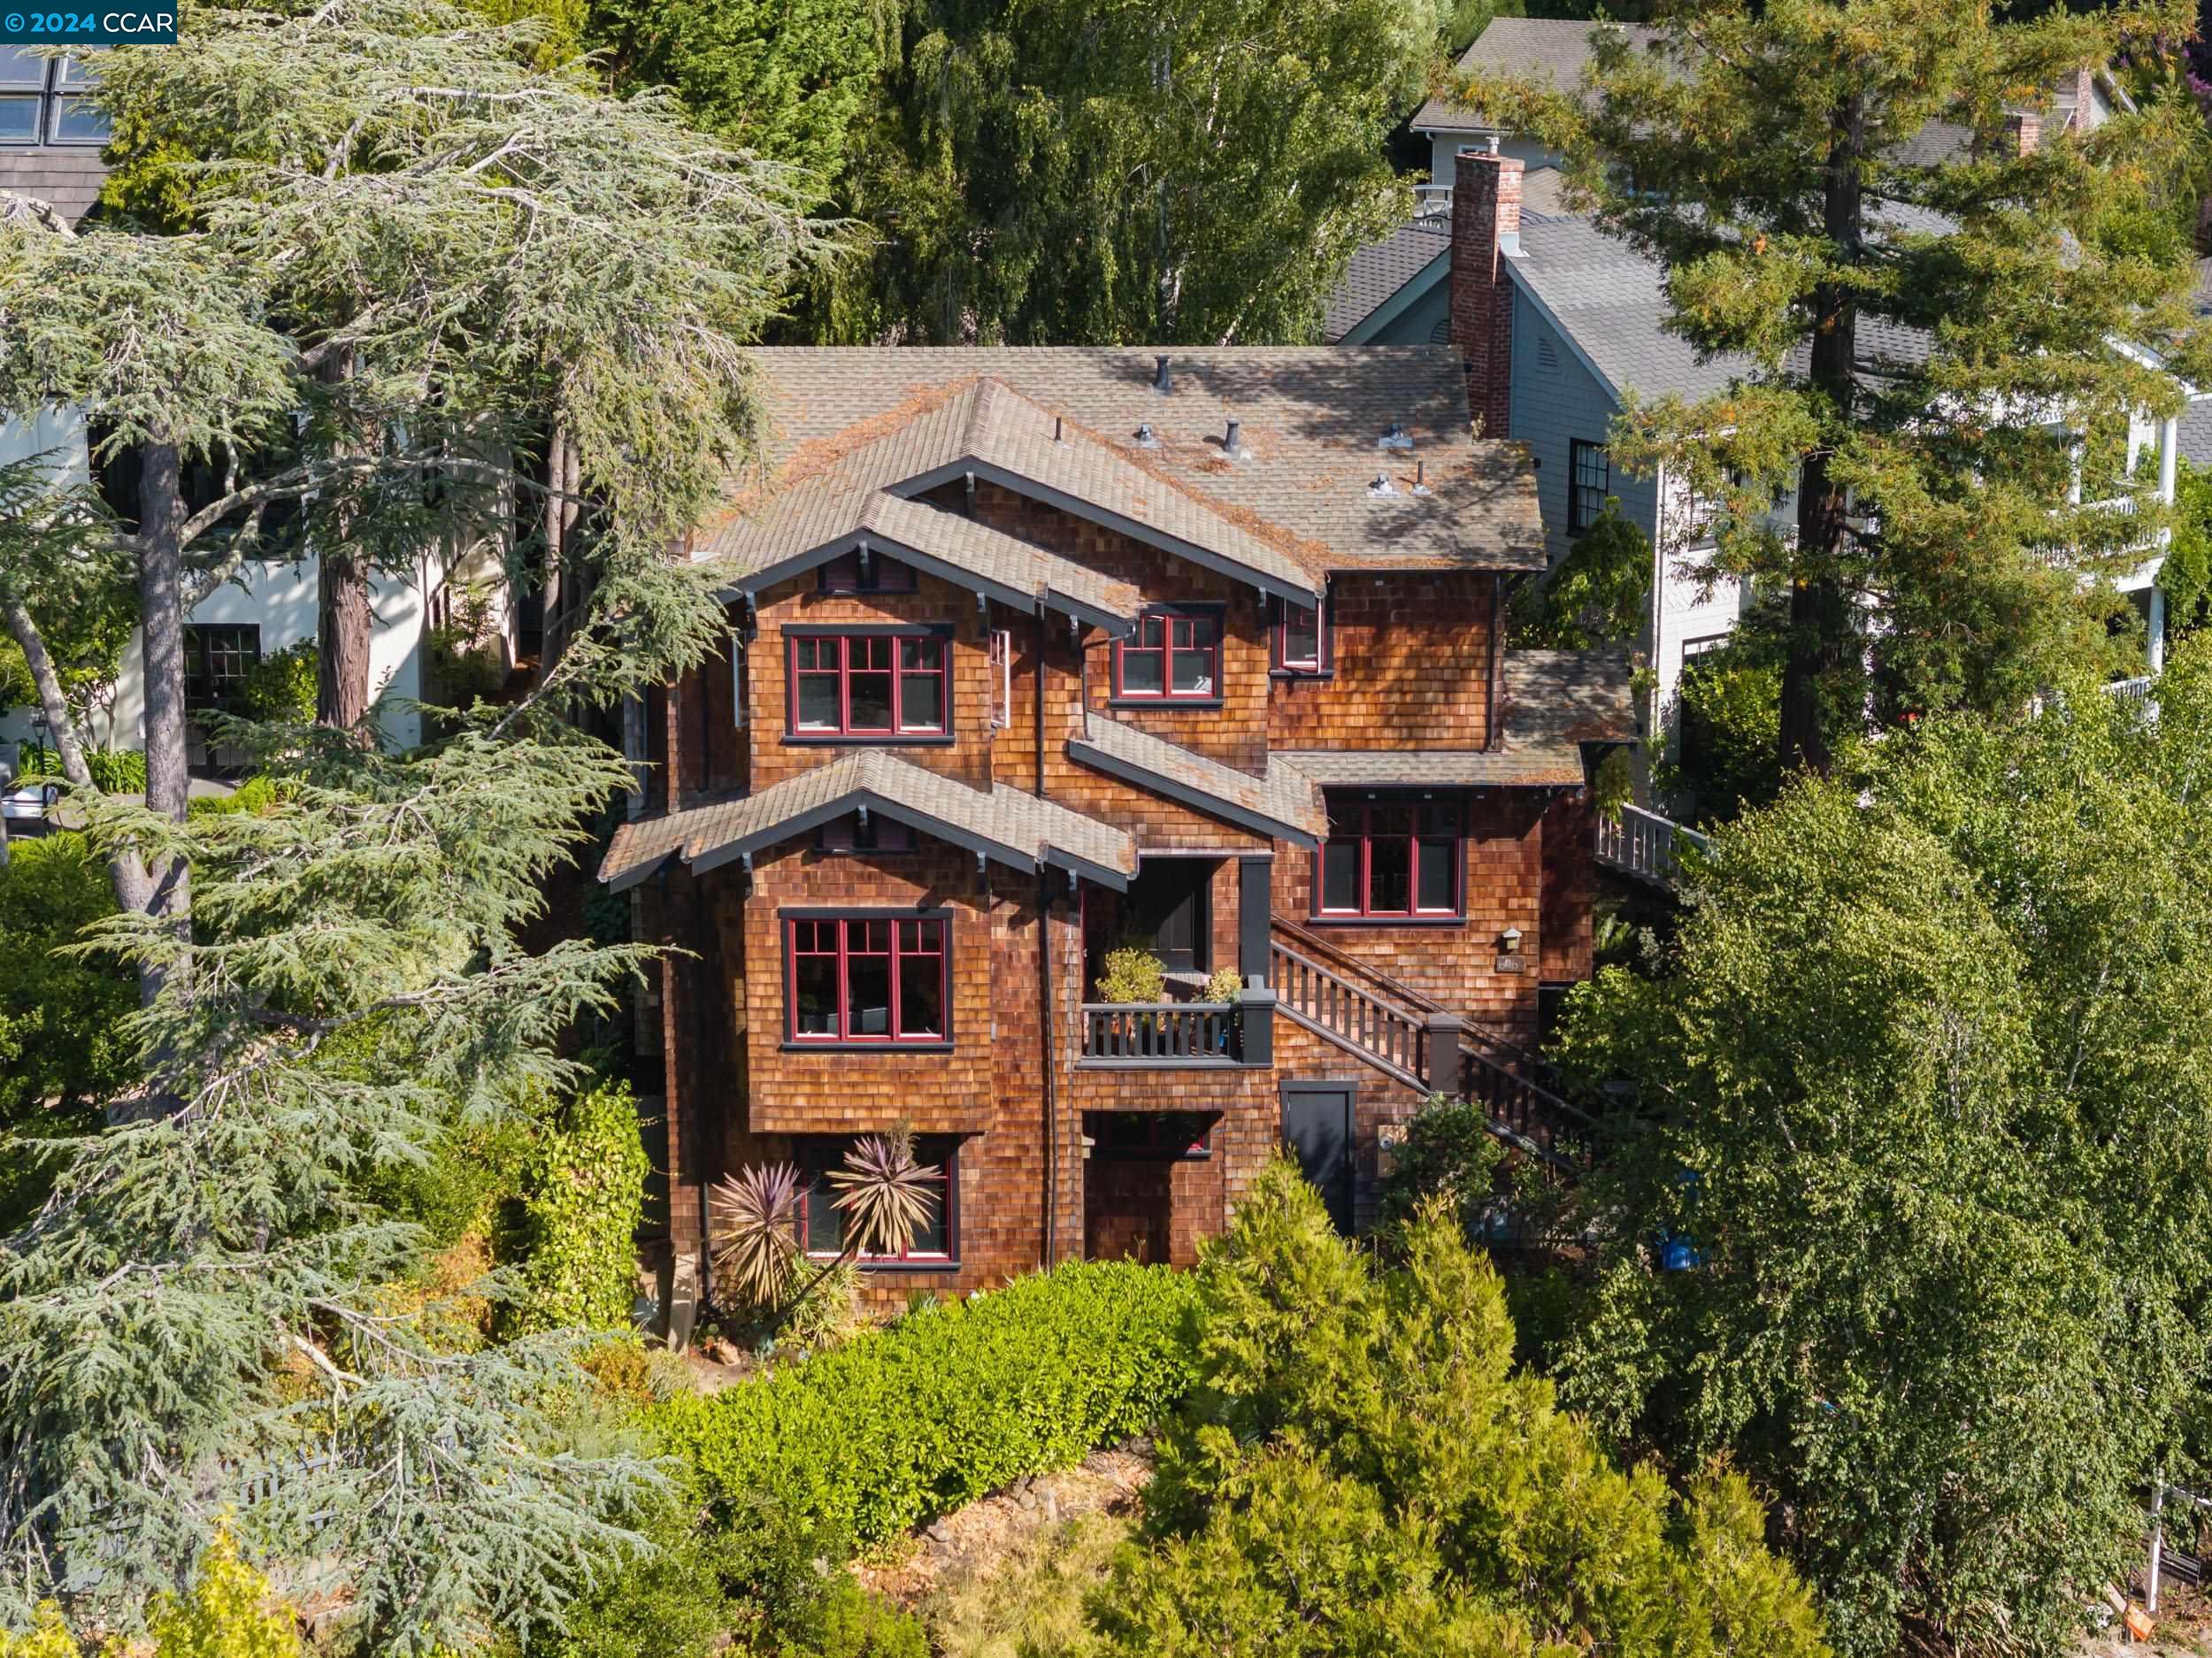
(1556, 400)
(1445, 147)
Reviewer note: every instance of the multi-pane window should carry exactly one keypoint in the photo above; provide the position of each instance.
(870, 979)
(822, 1223)
(1175, 654)
(1391, 858)
(1302, 640)
(870, 685)
(1589, 480)
(851, 573)
(218, 660)
(44, 101)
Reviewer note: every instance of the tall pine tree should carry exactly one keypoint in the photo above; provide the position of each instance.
(1839, 191)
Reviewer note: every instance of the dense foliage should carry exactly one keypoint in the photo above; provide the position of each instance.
(64, 1043)
(582, 1195)
(1727, 719)
(952, 1401)
(1597, 593)
(1933, 1069)
(1062, 172)
(1358, 1471)
(1924, 317)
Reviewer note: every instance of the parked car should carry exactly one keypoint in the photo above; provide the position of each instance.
(25, 806)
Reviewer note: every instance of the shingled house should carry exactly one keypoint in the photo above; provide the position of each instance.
(1032, 653)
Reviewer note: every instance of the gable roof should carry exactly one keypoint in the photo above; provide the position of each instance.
(1296, 502)
(1422, 247)
(1281, 803)
(1538, 48)
(809, 527)
(1005, 824)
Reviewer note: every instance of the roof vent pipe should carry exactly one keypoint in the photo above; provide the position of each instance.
(1055, 428)
(1233, 444)
(1163, 381)
(1145, 440)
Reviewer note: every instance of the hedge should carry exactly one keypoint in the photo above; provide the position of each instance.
(949, 1403)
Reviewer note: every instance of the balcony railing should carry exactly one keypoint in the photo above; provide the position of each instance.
(1645, 844)
(1160, 1035)
(2136, 690)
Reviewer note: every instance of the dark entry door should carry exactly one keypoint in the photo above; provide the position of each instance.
(1167, 906)
(1318, 1127)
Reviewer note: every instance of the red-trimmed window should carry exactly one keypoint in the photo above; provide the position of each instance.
(870, 685)
(868, 980)
(822, 1223)
(1303, 644)
(1174, 656)
(1390, 857)
(850, 573)
(1150, 1136)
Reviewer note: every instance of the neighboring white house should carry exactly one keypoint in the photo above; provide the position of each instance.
(50, 149)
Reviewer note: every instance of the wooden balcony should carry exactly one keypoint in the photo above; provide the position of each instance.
(1646, 845)
(1171, 1035)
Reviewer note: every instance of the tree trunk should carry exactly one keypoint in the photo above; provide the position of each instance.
(343, 617)
(1821, 636)
(563, 590)
(161, 623)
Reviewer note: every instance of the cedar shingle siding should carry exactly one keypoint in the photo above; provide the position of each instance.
(877, 447)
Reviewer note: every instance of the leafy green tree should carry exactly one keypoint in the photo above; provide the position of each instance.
(1359, 1470)
(1598, 593)
(1064, 173)
(789, 80)
(1930, 1084)
(582, 1196)
(1835, 191)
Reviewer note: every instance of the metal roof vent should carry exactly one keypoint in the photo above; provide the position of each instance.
(1163, 381)
(1148, 439)
(1382, 485)
(1420, 478)
(1396, 437)
(1233, 445)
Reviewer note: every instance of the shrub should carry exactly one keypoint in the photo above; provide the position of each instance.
(227, 1614)
(1132, 975)
(1359, 1469)
(1449, 1153)
(1225, 985)
(282, 686)
(948, 1403)
(583, 1193)
(47, 1638)
(114, 771)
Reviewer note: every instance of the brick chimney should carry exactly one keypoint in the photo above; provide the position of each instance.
(2027, 131)
(1486, 231)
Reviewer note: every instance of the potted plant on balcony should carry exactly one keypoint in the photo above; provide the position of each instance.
(1133, 976)
(1226, 986)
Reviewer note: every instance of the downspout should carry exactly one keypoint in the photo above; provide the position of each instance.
(1495, 731)
(1044, 976)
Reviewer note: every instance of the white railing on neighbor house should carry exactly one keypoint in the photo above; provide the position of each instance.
(1433, 201)
(2136, 690)
(1644, 844)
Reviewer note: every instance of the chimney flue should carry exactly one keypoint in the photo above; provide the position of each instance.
(1163, 381)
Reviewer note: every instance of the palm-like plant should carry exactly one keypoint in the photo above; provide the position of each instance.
(886, 1195)
(754, 1232)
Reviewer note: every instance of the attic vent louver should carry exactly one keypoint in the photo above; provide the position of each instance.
(1163, 381)
(1382, 485)
(1396, 437)
(1147, 438)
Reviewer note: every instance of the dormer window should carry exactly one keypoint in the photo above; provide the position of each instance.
(1302, 643)
(46, 101)
(1174, 656)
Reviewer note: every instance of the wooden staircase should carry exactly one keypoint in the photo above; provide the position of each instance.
(1416, 1041)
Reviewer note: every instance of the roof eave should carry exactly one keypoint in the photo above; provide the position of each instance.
(1197, 799)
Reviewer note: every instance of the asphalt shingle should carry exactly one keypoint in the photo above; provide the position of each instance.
(1438, 768)
(67, 181)
(1539, 49)
(1283, 800)
(1010, 824)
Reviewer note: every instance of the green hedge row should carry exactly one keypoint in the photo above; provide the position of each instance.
(114, 771)
(946, 1405)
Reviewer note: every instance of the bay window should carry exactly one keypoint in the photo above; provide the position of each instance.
(883, 685)
(1390, 858)
(1174, 656)
(822, 1223)
(878, 976)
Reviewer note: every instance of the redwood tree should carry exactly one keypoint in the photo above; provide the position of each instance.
(1873, 203)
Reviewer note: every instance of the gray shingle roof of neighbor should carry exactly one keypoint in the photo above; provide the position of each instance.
(1381, 268)
(1312, 417)
(66, 180)
(1281, 802)
(1553, 48)
(1003, 823)
(809, 525)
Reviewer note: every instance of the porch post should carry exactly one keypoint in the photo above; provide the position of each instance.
(1253, 876)
(1444, 1063)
